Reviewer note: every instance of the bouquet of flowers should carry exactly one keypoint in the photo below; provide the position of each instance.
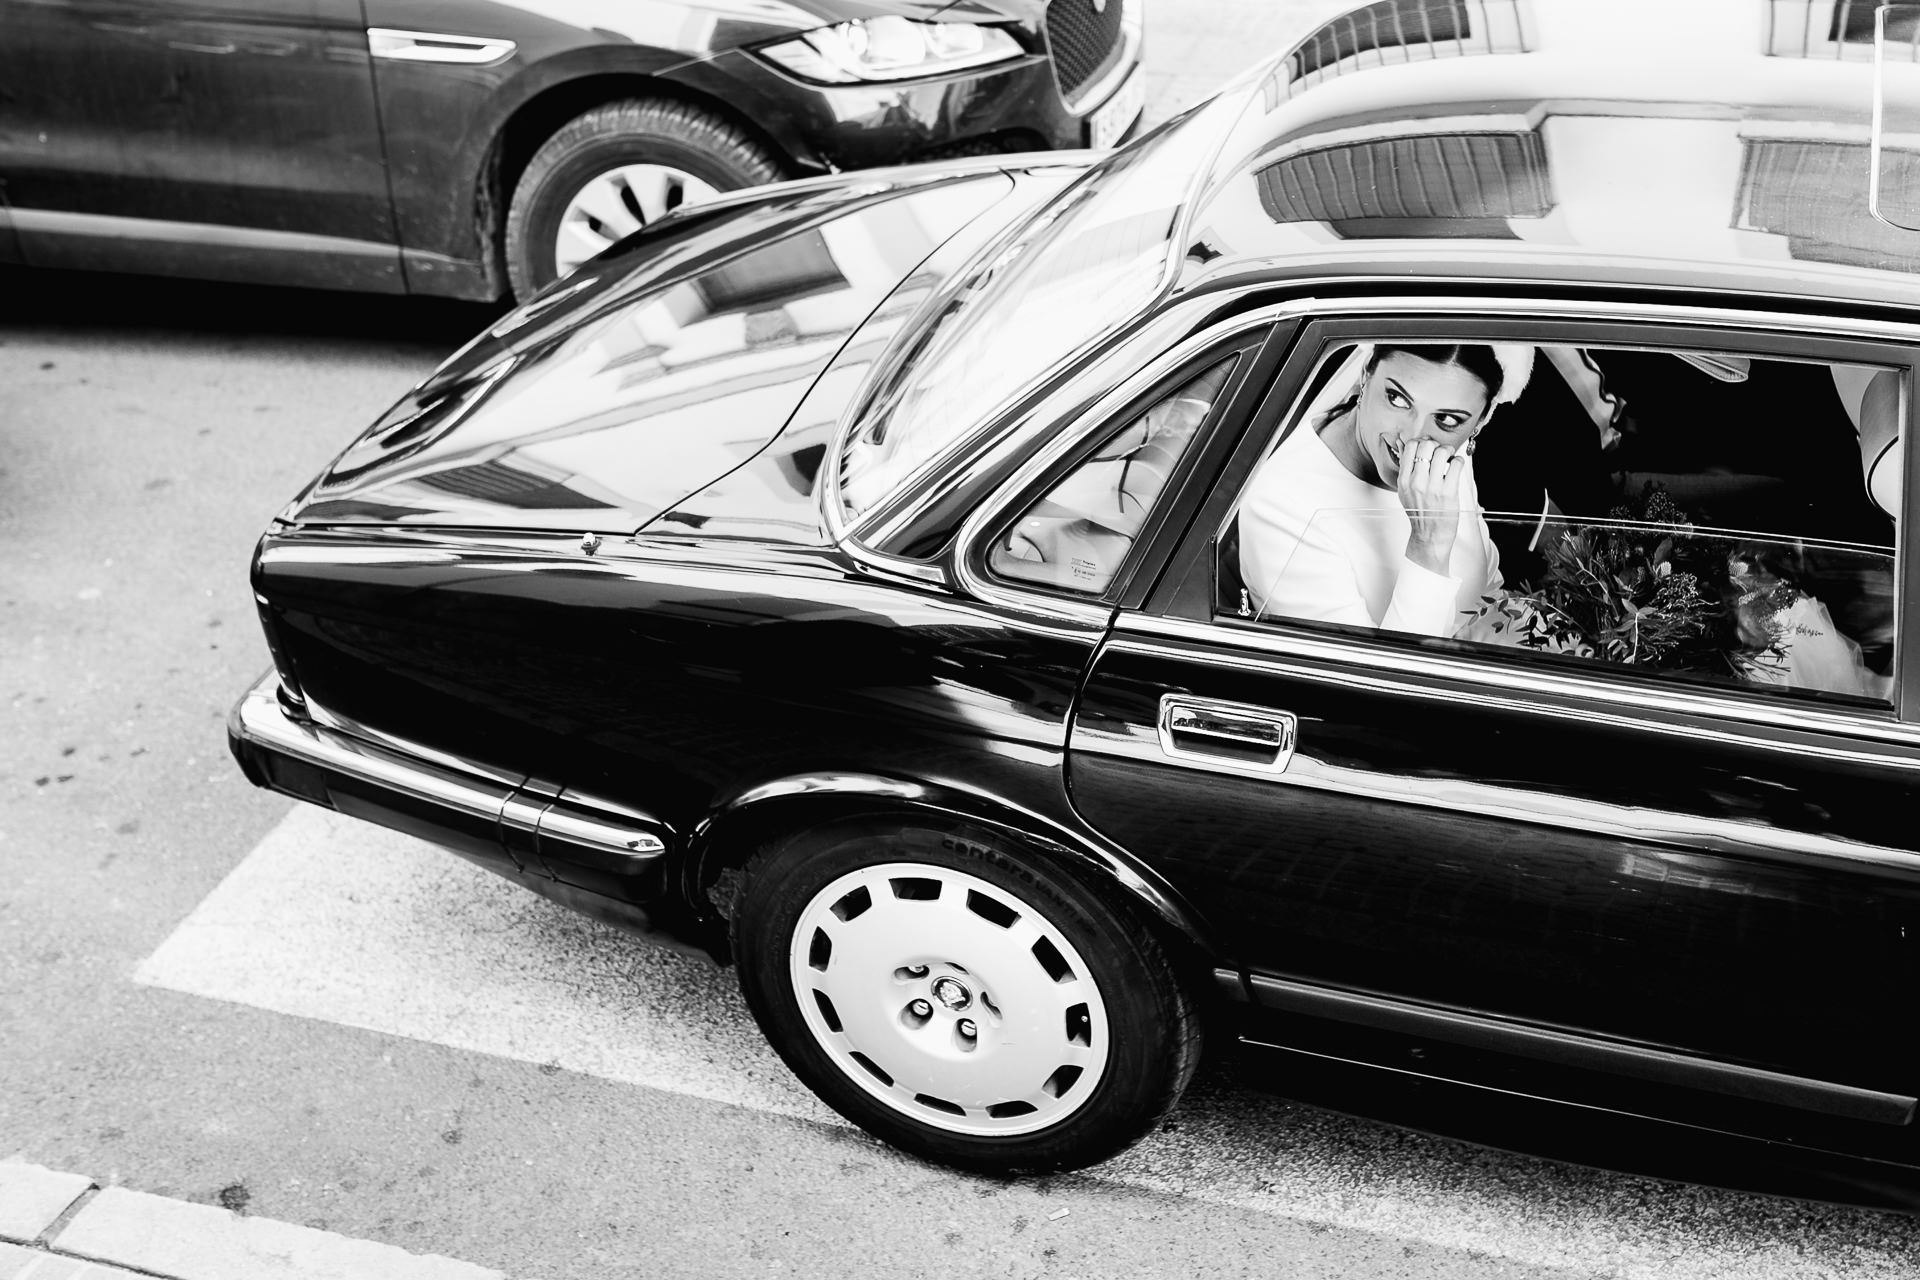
(1646, 589)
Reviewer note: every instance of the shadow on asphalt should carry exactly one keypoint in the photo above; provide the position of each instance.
(100, 301)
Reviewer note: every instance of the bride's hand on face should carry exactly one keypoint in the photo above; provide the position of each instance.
(1433, 484)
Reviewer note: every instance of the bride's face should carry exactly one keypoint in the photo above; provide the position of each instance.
(1406, 400)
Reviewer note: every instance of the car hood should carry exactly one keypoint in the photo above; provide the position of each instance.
(657, 368)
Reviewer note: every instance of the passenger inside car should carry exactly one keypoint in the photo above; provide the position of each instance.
(1689, 512)
(1368, 514)
(1743, 443)
(1077, 536)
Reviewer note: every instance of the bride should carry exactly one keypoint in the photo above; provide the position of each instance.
(1367, 512)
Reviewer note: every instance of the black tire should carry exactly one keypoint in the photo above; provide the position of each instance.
(1137, 1038)
(634, 131)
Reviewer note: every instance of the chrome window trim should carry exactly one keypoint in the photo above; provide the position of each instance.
(895, 566)
(1141, 743)
(1406, 672)
(1496, 308)
(1880, 723)
(1308, 307)
(969, 539)
(1155, 310)
(879, 526)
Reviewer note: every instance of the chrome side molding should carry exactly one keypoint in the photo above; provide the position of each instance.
(1548, 1044)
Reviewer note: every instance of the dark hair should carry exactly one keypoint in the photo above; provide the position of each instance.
(1475, 359)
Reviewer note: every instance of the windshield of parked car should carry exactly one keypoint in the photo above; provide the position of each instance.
(1084, 267)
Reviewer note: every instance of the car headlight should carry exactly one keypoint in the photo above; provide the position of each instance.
(890, 48)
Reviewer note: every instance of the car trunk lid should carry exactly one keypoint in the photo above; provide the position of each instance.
(656, 369)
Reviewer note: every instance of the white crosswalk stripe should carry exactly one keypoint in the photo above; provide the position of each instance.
(331, 919)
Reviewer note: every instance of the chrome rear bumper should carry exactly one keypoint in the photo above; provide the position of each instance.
(511, 822)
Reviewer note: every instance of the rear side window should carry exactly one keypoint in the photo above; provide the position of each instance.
(1073, 276)
(1078, 535)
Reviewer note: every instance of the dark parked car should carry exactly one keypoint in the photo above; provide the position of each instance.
(412, 146)
(886, 585)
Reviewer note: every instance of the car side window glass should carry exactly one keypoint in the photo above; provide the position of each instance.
(1695, 514)
(1078, 535)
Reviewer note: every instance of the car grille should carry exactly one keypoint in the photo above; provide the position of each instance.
(1084, 39)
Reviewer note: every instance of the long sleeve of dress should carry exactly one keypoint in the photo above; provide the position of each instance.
(1303, 565)
(1321, 545)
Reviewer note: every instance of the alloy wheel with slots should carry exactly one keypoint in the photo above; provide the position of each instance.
(959, 998)
(949, 999)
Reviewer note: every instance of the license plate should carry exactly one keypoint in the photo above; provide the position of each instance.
(1107, 125)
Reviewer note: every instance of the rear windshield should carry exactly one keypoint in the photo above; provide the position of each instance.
(1082, 269)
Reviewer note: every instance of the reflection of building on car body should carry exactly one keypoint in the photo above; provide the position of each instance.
(864, 606)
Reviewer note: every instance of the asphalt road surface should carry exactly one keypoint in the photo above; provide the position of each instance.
(209, 993)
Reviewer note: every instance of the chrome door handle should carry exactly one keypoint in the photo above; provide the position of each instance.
(1215, 733)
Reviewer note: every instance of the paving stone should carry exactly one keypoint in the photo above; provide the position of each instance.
(200, 1242)
(31, 1197)
(17, 1263)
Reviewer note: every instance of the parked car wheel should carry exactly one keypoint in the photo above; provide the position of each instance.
(952, 997)
(613, 170)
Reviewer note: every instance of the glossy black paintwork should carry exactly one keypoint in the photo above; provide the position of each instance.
(1726, 888)
(1773, 960)
(774, 495)
(227, 126)
(677, 681)
(613, 413)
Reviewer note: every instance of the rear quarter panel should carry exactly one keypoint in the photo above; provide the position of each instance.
(675, 676)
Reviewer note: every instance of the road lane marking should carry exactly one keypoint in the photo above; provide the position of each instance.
(332, 919)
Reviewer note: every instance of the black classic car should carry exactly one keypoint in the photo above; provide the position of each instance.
(954, 595)
(459, 150)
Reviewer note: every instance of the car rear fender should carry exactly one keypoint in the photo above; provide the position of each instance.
(719, 846)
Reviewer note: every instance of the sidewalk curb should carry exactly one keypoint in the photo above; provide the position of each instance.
(32, 1199)
(58, 1226)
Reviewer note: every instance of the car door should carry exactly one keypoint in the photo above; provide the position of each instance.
(224, 138)
(1691, 882)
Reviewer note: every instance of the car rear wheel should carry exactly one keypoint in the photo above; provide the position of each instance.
(962, 1001)
(610, 171)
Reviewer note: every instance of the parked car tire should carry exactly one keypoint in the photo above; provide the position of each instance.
(868, 952)
(610, 171)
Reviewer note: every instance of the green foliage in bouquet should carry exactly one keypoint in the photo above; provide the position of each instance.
(1645, 589)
